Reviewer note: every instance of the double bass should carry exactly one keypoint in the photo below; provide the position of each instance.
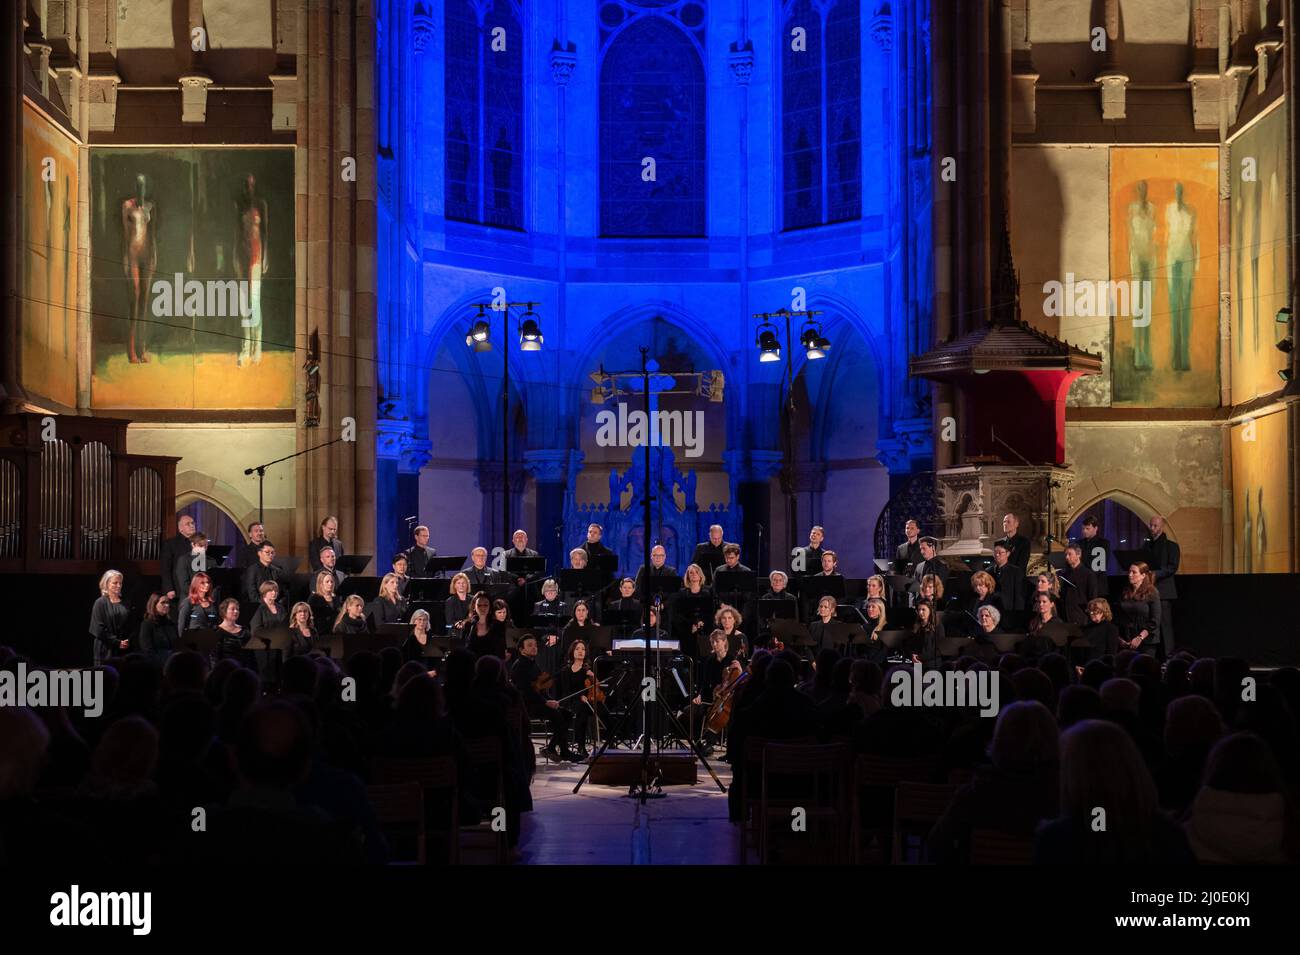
(724, 699)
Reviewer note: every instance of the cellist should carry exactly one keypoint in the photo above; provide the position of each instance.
(716, 670)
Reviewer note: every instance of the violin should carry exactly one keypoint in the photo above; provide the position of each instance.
(775, 644)
(543, 682)
(594, 692)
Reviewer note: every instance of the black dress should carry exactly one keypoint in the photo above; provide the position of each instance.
(323, 613)
(232, 644)
(1102, 637)
(382, 610)
(454, 611)
(352, 625)
(1136, 615)
(491, 644)
(158, 637)
(108, 627)
(195, 616)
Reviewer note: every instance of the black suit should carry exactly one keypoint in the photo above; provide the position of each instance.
(257, 575)
(479, 579)
(1165, 555)
(933, 566)
(664, 571)
(314, 548)
(246, 555)
(906, 556)
(183, 570)
(172, 548)
(1018, 545)
(417, 561)
(597, 549)
(1078, 588)
(1011, 585)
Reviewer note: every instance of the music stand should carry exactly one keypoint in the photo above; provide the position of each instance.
(205, 640)
(440, 565)
(217, 554)
(581, 580)
(289, 563)
(353, 564)
(427, 590)
(525, 566)
(515, 634)
(622, 619)
(791, 633)
(660, 585)
(367, 588)
(606, 565)
(599, 640)
(1127, 558)
(738, 582)
(777, 610)
(271, 638)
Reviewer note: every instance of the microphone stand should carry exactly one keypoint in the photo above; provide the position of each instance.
(261, 470)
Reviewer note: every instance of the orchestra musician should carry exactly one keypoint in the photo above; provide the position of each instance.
(198, 610)
(1010, 578)
(389, 606)
(457, 606)
(1140, 610)
(328, 537)
(1017, 543)
(527, 676)
(908, 554)
(708, 555)
(324, 603)
(717, 668)
(352, 618)
(420, 553)
(570, 682)
(1080, 586)
(108, 618)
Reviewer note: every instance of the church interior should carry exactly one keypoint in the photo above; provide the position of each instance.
(889, 294)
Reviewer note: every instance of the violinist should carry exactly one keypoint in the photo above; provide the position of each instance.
(576, 687)
(534, 687)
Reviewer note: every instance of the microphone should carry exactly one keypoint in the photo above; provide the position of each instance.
(249, 470)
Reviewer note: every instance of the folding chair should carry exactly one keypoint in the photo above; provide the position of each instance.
(917, 807)
(400, 810)
(751, 776)
(435, 774)
(823, 769)
(880, 776)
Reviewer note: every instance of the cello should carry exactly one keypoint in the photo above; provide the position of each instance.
(724, 700)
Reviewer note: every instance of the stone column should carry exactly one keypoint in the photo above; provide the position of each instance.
(335, 167)
(549, 468)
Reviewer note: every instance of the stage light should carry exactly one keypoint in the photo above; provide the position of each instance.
(1283, 315)
(1286, 346)
(1284, 374)
(769, 349)
(530, 335)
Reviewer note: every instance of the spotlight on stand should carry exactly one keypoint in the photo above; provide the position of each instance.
(813, 341)
(769, 349)
(530, 334)
(477, 338)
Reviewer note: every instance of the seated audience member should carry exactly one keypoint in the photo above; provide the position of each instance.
(1243, 814)
(1101, 766)
(1014, 794)
(1192, 727)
